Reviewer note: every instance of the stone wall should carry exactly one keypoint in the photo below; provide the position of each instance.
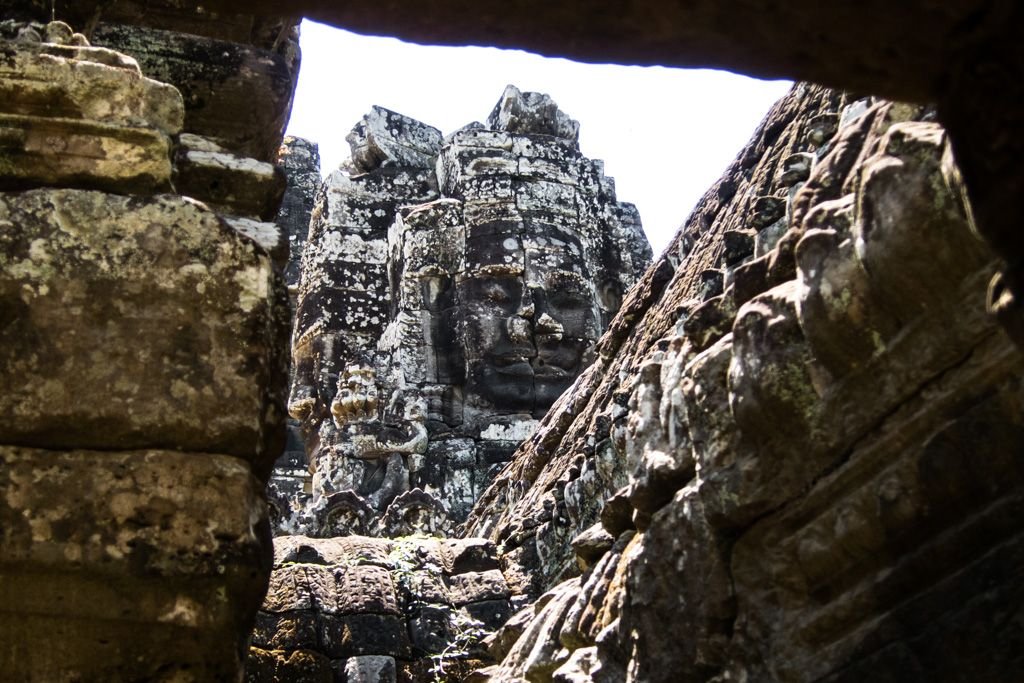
(144, 324)
(291, 484)
(815, 435)
(407, 609)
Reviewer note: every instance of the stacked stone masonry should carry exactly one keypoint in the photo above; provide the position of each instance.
(290, 484)
(143, 330)
(410, 609)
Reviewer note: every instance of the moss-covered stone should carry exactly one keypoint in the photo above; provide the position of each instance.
(137, 323)
(128, 566)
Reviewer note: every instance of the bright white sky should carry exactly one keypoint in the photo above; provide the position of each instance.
(665, 135)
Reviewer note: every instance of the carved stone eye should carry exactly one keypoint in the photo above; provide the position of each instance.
(565, 298)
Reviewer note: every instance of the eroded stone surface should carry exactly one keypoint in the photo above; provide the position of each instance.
(226, 182)
(91, 83)
(300, 161)
(219, 81)
(83, 117)
(387, 138)
(142, 372)
(168, 15)
(410, 607)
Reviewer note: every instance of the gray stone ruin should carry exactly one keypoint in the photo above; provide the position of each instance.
(299, 159)
(451, 289)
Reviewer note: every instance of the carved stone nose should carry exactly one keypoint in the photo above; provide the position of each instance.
(519, 329)
(526, 310)
(549, 325)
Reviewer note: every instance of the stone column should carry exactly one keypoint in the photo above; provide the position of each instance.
(142, 360)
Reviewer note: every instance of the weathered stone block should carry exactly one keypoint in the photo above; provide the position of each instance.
(365, 589)
(38, 151)
(538, 652)
(478, 586)
(909, 203)
(531, 112)
(365, 634)
(365, 204)
(269, 236)
(219, 81)
(90, 84)
(424, 587)
(83, 117)
(775, 398)
(370, 669)
(470, 555)
(168, 15)
(295, 629)
(120, 566)
(288, 590)
(362, 549)
(387, 138)
(227, 182)
(300, 160)
(693, 590)
(121, 311)
(300, 665)
(431, 629)
(838, 312)
(490, 613)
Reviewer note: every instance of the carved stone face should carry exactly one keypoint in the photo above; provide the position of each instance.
(565, 327)
(527, 314)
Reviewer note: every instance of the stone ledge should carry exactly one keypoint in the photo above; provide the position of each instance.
(45, 151)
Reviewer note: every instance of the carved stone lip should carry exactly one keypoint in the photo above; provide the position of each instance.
(513, 357)
(550, 372)
(549, 338)
(515, 363)
(556, 359)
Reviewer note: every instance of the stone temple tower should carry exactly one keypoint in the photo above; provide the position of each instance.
(451, 289)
